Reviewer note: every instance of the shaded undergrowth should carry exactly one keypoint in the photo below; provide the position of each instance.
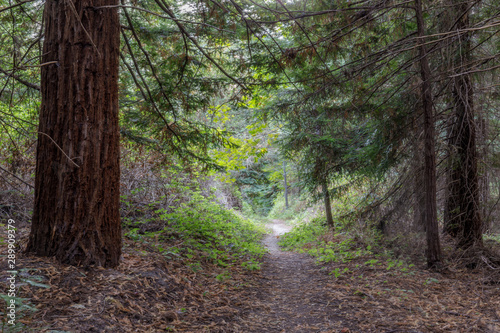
(340, 247)
(201, 230)
(179, 263)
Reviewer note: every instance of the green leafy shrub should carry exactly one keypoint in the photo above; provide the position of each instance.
(220, 235)
(313, 238)
(302, 234)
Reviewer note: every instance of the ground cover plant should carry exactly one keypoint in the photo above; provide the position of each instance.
(249, 166)
(202, 225)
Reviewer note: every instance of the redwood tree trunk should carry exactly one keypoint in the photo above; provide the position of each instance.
(432, 230)
(463, 220)
(76, 215)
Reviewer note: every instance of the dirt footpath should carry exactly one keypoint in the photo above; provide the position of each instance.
(291, 297)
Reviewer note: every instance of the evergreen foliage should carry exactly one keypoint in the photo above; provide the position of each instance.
(232, 89)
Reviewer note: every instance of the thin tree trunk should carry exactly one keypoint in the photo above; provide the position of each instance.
(328, 205)
(484, 179)
(433, 245)
(76, 214)
(298, 182)
(286, 185)
(418, 170)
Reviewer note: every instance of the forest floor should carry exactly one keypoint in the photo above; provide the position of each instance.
(149, 292)
(291, 295)
(296, 294)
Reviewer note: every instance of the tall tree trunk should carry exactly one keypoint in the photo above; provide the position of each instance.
(433, 245)
(464, 221)
(286, 185)
(76, 215)
(418, 171)
(484, 179)
(298, 182)
(328, 205)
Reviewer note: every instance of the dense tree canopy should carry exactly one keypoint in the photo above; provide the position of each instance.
(345, 91)
(151, 150)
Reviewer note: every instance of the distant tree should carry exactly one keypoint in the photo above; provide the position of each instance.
(77, 188)
(285, 185)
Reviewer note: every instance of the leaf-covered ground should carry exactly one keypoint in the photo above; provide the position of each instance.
(291, 293)
(303, 296)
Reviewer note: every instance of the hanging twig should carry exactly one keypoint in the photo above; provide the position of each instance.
(73, 9)
(62, 151)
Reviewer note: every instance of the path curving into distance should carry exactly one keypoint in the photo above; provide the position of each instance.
(292, 296)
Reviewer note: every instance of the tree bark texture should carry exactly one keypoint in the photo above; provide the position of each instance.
(463, 220)
(76, 215)
(418, 168)
(483, 171)
(432, 229)
(328, 205)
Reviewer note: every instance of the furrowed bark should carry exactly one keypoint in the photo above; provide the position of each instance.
(76, 214)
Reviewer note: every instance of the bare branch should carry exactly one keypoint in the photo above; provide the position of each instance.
(20, 80)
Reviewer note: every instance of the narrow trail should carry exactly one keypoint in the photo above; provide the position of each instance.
(292, 296)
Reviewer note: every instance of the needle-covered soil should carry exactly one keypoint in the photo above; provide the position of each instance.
(290, 293)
